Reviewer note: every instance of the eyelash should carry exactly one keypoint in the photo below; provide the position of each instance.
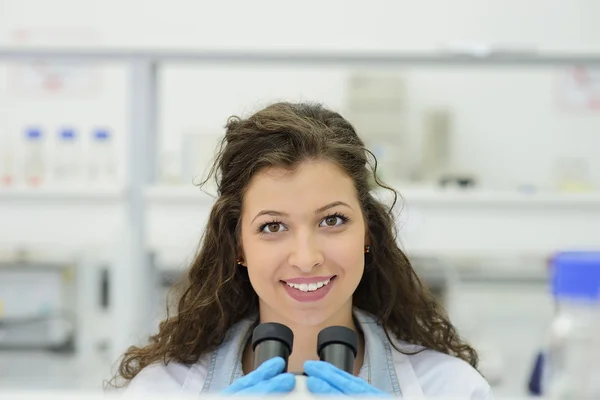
(339, 215)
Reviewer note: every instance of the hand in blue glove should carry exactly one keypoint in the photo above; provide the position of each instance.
(324, 378)
(266, 379)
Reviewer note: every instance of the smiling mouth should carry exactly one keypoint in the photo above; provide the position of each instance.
(310, 287)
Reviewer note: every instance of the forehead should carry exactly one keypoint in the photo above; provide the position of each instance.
(309, 186)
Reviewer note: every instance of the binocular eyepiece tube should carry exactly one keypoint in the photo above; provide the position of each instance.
(336, 345)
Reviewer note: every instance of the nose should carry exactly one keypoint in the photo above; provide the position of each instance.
(306, 253)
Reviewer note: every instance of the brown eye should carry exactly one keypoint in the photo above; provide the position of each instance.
(274, 227)
(331, 221)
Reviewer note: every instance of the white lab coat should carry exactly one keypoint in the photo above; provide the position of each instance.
(428, 374)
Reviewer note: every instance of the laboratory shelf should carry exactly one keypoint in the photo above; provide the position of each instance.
(444, 57)
(73, 193)
(189, 194)
(179, 194)
(193, 195)
(483, 197)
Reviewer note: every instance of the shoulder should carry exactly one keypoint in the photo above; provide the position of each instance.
(440, 374)
(176, 377)
(170, 378)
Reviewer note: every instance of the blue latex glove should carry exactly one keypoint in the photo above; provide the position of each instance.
(324, 378)
(266, 379)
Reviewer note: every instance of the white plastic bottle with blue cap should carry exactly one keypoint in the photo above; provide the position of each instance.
(33, 160)
(572, 368)
(102, 167)
(67, 160)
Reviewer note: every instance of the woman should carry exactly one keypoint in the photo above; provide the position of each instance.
(296, 237)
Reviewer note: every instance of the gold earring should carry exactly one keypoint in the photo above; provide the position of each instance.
(367, 249)
(240, 261)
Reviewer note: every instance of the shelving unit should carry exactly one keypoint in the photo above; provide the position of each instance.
(416, 195)
(322, 57)
(64, 194)
(37, 258)
(430, 221)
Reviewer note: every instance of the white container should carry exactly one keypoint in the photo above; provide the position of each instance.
(102, 161)
(67, 158)
(572, 368)
(376, 107)
(197, 156)
(34, 162)
(7, 163)
(436, 151)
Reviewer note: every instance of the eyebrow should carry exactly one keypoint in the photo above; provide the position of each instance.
(317, 211)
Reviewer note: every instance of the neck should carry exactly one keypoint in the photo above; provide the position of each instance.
(305, 343)
(305, 347)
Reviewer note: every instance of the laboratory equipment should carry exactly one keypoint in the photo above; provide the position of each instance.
(572, 364)
(67, 166)
(572, 174)
(7, 163)
(33, 309)
(271, 340)
(338, 346)
(436, 149)
(376, 105)
(34, 160)
(196, 155)
(102, 167)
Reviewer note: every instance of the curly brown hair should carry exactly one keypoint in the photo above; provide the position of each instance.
(217, 293)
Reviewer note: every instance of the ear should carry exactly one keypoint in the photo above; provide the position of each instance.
(241, 260)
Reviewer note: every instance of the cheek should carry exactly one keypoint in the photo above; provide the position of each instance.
(261, 258)
(349, 259)
(348, 252)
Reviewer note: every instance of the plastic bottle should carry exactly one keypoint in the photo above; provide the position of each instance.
(572, 369)
(102, 167)
(67, 168)
(7, 163)
(34, 162)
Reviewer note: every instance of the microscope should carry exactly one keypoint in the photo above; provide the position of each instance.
(336, 345)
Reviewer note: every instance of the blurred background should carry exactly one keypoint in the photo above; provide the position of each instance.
(485, 115)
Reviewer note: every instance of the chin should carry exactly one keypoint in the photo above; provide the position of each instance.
(309, 317)
(313, 314)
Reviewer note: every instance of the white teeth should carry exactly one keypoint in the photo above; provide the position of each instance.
(308, 287)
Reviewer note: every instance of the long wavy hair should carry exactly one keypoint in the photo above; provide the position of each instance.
(217, 293)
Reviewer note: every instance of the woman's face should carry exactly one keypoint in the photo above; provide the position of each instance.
(303, 238)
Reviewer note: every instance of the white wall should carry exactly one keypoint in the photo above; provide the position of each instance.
(509, 126)
(382, 24)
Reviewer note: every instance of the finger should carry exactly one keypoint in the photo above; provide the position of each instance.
(339, 379)
(318, 386)
(265, 371)
(283, 383)
(322, 367)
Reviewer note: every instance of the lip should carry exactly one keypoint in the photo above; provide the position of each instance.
(305, 297)
(312, 279)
